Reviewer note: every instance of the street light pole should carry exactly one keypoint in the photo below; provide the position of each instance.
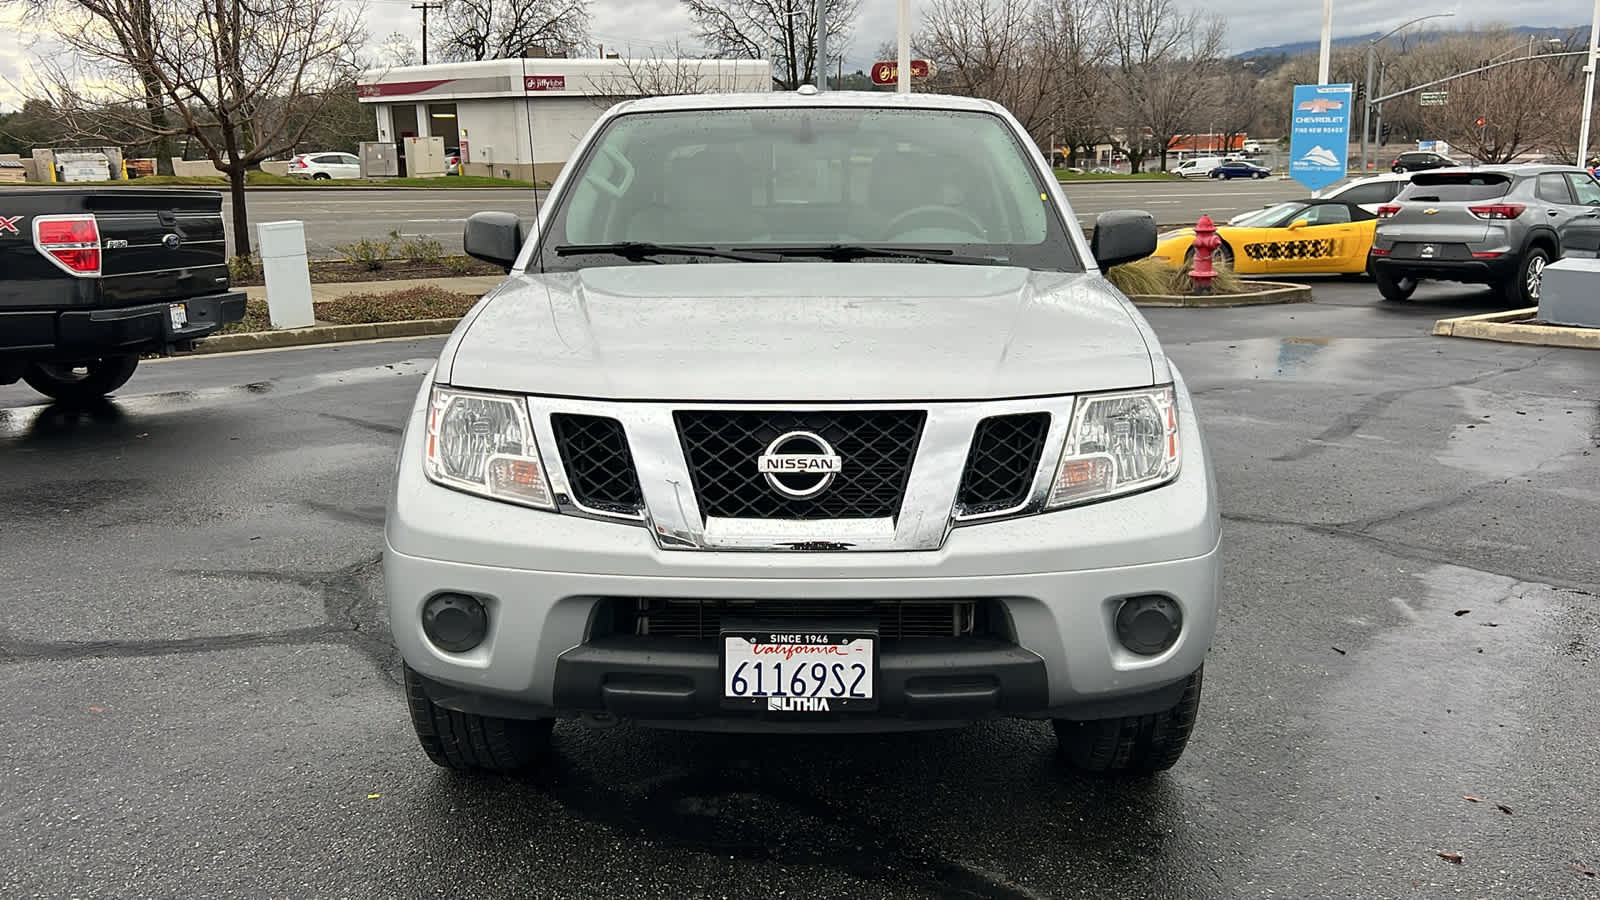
(1372, 48)
(1323, 61)
(1588, 87)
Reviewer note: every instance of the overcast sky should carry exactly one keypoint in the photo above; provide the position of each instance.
(646, 26)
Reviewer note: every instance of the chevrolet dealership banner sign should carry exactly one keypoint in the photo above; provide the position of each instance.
(1319, 135)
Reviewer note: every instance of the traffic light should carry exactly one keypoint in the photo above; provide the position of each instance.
(1383, 133)
(1482, 122)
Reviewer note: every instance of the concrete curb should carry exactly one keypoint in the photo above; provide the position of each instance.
(323, 334)
(1279, 292)
(1508, 327)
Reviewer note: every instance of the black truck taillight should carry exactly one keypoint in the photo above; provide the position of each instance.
(71, 242)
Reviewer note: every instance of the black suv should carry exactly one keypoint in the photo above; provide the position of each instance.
(1417, 160)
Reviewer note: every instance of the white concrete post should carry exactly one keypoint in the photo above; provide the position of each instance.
(287, 274)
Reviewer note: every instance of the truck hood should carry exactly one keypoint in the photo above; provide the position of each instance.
(804, 332)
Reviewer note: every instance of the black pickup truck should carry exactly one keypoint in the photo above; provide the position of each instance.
(91, 280)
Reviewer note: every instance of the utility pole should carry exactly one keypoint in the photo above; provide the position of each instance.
(425, 7)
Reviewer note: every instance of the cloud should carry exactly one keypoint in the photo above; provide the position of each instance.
(642, 27)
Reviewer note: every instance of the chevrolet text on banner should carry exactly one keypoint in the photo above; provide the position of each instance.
(1319, 135)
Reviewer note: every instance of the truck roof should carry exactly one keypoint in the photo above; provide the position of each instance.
(820, 99)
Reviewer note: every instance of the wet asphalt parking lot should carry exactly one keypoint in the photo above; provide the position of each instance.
(200, 699)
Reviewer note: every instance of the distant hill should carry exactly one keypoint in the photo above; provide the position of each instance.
(1299, 47)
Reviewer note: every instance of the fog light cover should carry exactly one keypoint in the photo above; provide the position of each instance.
(455, 623)
(1149, 625)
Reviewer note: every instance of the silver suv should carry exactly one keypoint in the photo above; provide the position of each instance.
(804, 413)
(1494, 225)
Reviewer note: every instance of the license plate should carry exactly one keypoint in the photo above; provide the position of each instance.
(821, 671)
(179, 313)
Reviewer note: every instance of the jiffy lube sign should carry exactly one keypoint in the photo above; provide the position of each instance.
(1319, 135)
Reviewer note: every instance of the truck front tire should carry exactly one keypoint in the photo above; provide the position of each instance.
(1131, 745)
(468, 743)
(81, 382)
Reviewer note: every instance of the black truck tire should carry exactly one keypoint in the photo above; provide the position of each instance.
(467, 743)
(81, 382)
(1132, 745)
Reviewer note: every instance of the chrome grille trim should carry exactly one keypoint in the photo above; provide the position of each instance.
(672, 513)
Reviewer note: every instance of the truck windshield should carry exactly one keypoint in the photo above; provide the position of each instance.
(784, 182)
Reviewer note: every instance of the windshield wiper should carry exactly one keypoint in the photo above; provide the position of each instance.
(641, 250)
(848, 252)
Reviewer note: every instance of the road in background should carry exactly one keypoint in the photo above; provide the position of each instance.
(335, 216)
(200, 694)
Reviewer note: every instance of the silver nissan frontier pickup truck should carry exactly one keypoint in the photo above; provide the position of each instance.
(804, 412)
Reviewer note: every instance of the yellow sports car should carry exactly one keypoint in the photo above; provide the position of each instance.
(1301, 237)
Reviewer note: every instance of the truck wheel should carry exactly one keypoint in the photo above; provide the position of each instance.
(1523, 290)
(470, 743)
(82, 381)
(1394, 289)
(1131, 745)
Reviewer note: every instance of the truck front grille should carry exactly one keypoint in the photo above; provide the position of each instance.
(876, 449)
(594, 451)
(891, 618)
(1001, 463)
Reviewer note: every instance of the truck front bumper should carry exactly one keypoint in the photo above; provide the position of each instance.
(550, 585)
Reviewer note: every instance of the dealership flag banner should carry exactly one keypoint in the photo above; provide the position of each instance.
(1319, 136)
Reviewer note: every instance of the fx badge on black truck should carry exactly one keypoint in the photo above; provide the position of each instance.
(92, 280)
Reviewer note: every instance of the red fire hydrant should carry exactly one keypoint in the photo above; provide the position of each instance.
(1205, 241)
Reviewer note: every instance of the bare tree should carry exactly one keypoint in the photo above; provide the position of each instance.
(398, 50)
(1163, 58)
(1529, 106)
(1077, 44)
(1515, 105)
(130, 23)
(987, 48)
(783, 31)
(245, 79)
(500, 29)
(1234, 108)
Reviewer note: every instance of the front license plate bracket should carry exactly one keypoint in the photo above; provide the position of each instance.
(805, 669)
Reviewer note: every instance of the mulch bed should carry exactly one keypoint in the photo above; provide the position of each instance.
(341, 272)
(425, 302)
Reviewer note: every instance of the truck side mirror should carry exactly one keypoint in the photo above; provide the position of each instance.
(1122, 236)
(494, 237)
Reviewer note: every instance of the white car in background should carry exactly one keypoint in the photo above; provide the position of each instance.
(323, 166)
(1369, 193)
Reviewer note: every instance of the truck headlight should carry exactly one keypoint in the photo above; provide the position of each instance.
(1118, 443)
(483, 444)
